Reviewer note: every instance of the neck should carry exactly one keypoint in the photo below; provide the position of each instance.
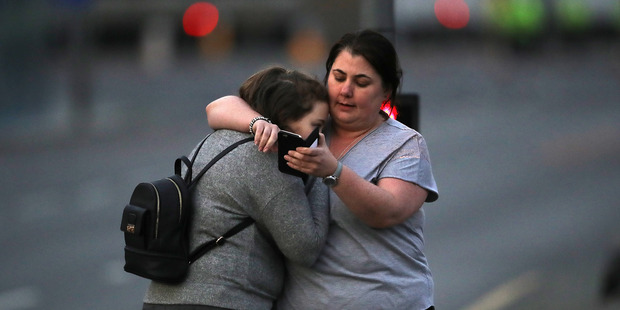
(352, 131)
(343, 139)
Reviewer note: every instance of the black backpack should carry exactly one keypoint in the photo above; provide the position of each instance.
(156, 224)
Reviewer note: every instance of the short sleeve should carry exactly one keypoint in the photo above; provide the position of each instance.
(411, 162)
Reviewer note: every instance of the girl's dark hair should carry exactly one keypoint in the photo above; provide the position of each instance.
(377, 50)
(282, 95)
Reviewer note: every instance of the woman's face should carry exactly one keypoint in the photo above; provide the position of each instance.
(305, 125)
(355, 91)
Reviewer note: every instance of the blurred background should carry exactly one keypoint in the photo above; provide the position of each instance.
(518, 104)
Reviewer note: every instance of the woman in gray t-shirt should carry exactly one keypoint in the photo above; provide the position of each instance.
(380, 175)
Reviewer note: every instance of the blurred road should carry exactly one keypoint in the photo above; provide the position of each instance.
(525, 150)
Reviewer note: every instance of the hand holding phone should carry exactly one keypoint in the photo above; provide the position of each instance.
(289, 141)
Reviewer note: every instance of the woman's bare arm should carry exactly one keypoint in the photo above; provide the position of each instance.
(232, 112)
(390, 202)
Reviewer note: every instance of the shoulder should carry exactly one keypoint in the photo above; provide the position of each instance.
(392, 135)
(221, 139)
(395, 128)
(226, 135)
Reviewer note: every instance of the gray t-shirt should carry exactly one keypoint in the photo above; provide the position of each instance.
(246, 272)
(362, 267)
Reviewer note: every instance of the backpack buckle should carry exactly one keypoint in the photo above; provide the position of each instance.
(221, 240)
(131, 228)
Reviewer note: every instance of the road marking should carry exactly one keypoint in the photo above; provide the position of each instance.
(27, 297)
(508, 293)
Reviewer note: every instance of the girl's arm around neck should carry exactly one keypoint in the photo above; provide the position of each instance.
(232, 112)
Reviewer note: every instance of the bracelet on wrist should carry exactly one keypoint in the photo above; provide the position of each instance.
(256, 119)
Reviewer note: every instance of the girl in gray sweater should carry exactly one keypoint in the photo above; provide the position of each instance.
(248, 271)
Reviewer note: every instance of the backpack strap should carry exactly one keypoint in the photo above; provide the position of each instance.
(203, 249)
(189, 164)
(214, 160)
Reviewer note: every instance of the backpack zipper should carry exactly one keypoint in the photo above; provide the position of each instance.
(180, 198)
(156, 218)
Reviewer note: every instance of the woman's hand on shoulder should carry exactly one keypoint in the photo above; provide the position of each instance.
(265, 136)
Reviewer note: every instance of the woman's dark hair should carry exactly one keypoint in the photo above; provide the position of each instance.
(282, 95)
(377, 50)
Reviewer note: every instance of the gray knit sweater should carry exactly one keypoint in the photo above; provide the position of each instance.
(247, 272)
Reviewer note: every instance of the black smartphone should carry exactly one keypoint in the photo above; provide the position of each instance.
(289, 141)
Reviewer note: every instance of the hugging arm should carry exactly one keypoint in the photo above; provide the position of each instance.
(232, 112)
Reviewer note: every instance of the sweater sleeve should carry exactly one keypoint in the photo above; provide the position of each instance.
(298, 223)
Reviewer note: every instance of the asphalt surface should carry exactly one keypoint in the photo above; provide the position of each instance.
(524, 148)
